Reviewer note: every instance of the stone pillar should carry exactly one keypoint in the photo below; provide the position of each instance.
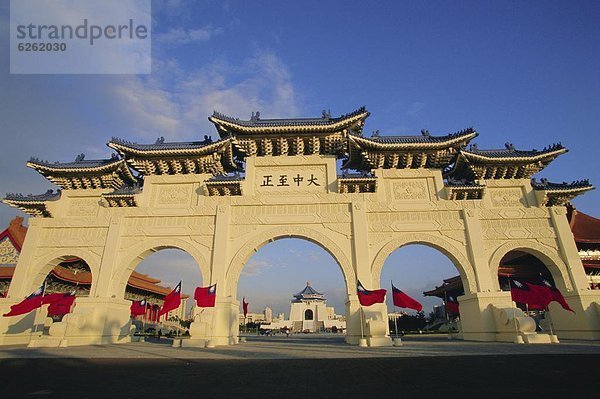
(19, 329)
(221, 326)
(475, 248)
(363, 270)
(477, 318)
(353, 320)
(103, 283)
(568, 249)
(584, 322)
(23, 281)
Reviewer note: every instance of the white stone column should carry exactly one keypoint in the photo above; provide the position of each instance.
(223, 319)
(476, 316)
(104, 281)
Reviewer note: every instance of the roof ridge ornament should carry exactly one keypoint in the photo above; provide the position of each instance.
(255, 117)
(509, 146)
(160, 140)
(326, 114)
(425, 133)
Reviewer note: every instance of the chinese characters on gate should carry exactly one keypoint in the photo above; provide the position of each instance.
(289, 181)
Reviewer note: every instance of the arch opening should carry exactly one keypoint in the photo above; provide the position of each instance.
(65, 279)
(425, 274)
(153, 276)
(531, 284)
(294, 285)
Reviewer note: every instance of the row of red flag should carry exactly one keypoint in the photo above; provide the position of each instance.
(537, 295)
(400, 299)
(60, 303)
(204, 296)
(534, 296)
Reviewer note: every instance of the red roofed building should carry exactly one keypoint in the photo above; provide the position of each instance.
(586, 231)
(74, 275)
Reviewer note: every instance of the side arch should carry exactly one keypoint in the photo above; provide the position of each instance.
(44, 265)
(549, 257)
(133, 256)
(242, 256)
(460, 260)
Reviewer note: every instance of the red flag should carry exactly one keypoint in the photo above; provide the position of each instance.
(205, 296)
(529, 294)
(172, 301)
(452, 305)
(555, 294)
(28, 304)
(404, 301)
(138, 308)
(61, 305)
(368, 298)
(245, 306)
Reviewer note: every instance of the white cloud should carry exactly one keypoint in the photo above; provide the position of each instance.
(178, 36)
(175, 103)
(254, 267)
(415, 108)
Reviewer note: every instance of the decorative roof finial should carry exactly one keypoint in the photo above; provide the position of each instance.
(425, 132)
(308, 283)
(326, 114)
(509, 146)
(80, 157)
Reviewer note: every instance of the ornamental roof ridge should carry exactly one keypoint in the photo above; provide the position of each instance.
(544, 184)
(256, 121)
(126, 190)
(161, 144)
(425, 137)
(223, 178)
(511, 152)
(49, 195)
(80, 162)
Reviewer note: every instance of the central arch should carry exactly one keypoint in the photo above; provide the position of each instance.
(460, 260)
(252, 245)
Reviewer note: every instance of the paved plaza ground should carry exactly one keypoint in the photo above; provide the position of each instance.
(317, 366)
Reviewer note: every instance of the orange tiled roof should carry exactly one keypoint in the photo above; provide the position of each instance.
(585, 228)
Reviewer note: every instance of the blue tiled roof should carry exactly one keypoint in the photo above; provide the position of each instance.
(255, 121)
(160, 144)
(511, 152)
(307, 291)
(544, 184)
(425, 137)
(77, 164)
(49, 195)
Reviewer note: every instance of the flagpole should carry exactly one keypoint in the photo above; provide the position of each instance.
(362, 334)
(446, 305)
(37, 311)
(395, 316)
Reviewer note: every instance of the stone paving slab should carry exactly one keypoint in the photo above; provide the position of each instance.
(300, 347)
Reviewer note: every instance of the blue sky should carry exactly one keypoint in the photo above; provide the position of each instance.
(521, 72)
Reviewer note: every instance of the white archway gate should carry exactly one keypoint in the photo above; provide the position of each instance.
(291, 188)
